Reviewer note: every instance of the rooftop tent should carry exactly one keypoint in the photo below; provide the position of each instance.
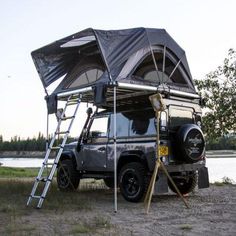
(133, 59)
(112, 69)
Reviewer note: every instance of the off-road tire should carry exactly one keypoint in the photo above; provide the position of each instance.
(63, 183)
(185, 184)
(190, 143)
(133, 181)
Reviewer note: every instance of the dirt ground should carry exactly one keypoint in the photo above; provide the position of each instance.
(90, 212)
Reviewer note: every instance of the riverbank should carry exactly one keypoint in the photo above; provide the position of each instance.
(21, 154)
(221, 154)
(89, 211)
(14, 172)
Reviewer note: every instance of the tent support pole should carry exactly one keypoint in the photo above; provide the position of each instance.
(175, 68)
(164, 62)
(153, 58)
(115, 154)
(47, 130)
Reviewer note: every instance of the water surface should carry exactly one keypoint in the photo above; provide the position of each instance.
(218, 167)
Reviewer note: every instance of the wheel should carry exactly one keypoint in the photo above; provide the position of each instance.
(67, 177)
(190, 143)
(185, 183)
(133, 181)
(109, 182)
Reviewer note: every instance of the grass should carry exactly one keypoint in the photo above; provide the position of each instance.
(9, 172)
(15, 216)
(18, 219)
(186, 227)
(80, 229)
(13, 229)
(95, 225)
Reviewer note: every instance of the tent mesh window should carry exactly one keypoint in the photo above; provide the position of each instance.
(146, 70)
(87, 77)
(84, 73)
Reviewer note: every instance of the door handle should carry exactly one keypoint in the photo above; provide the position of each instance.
(102, 149)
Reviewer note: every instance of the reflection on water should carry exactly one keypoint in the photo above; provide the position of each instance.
(21, 162)
(217, 167)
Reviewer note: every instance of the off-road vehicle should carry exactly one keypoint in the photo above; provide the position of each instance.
(181, 141)
(117, 71)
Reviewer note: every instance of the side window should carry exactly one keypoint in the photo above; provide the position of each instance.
(139, 126)
(99, 127)
(142, 123)
(122, 125)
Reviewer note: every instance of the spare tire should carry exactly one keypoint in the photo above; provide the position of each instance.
(191, 143)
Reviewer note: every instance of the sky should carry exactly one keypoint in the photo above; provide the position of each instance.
(205, 29)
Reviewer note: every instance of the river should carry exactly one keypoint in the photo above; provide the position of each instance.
(218, 167)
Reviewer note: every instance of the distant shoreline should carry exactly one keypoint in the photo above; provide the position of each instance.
(21, 154)
(39, 154)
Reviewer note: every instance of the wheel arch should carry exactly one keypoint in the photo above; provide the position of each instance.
(69, 155)
(131, 156)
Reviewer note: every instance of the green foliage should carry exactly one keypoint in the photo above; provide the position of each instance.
(225, 181)
(218, 88)
(222, 143)
(30, 144)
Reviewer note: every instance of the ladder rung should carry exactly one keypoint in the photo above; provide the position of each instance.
(47, 178)
(67, 118)
(56, 148)
(48, 164)
(43, 179)
(73, 100)
(62, 132)
(35, 196)
(71, 103)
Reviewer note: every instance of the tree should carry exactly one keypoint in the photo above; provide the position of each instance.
(218, 89)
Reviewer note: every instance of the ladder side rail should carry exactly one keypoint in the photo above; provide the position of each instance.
(45, 161)
(49, 179)
(53, 169)
(37, 179)
(54, 137)
(63, 144)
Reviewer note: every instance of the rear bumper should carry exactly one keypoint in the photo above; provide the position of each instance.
(161, 186)
(185, 167)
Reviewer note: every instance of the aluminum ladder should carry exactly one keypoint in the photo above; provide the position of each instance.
(58, 148)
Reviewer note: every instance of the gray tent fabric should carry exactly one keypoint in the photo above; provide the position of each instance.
(113, 47)
(53, 61)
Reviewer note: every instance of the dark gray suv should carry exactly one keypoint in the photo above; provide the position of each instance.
(182, 150)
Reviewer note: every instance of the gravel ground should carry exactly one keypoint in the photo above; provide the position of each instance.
(212, 212)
